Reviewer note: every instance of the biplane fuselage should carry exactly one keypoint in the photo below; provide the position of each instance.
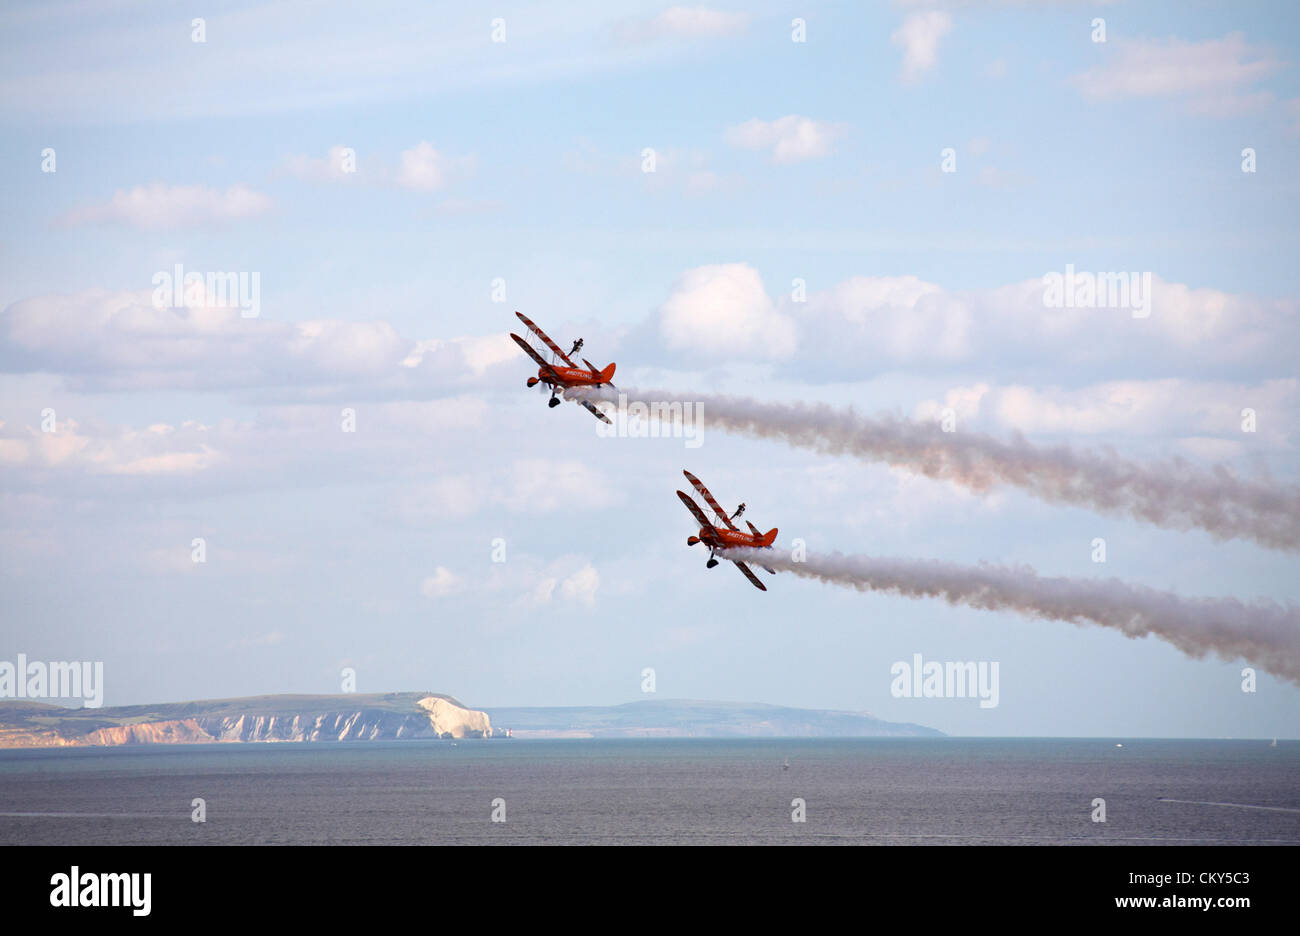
(724, 534)
(728, 539)
(566, 377)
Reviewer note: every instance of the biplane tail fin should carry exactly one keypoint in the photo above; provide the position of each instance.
(606, 375)
(769, 537)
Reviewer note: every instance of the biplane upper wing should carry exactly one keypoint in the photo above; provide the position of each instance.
(749, 575)
(528, 349)
(694, 508)
(708, 499)
(591, 408)
(546, 339)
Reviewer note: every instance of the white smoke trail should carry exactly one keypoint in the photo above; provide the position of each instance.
(1264, 633)
(1171, 494)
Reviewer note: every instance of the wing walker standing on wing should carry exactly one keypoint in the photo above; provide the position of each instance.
(567, 375)
(721, 534)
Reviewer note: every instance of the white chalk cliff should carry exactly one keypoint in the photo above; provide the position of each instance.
(267, 718)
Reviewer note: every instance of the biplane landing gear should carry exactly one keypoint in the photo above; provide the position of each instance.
(532, 382)
(554, 402)
(711, 563)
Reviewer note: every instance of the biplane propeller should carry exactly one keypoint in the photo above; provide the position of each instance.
(560, 373)
(721, 534)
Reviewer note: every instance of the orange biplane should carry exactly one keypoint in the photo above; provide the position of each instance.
(724, 534)
(560, 377)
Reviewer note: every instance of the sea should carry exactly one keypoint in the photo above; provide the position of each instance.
(859, 791)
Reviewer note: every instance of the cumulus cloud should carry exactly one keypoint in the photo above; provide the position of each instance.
(881, 320)
(88, 457)
(1210, 76)
(123, 340)
(159, 449)
(424, 169)
(577, 588)
(442, 583)
(339, 165)
(120, 340)
(724, 309)
(790, 139)
(919, 37)
(903, 317)
(681, 22)
(581, 586)
(159, 206)
(1164, 407)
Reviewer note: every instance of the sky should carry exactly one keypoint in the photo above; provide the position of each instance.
(850, 203)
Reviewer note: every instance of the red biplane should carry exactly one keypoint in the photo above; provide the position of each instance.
(723, 534)
(560, 377)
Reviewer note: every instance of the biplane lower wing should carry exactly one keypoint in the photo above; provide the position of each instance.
(749, 575)
(694, 508)
(541, 362)
(591, 408)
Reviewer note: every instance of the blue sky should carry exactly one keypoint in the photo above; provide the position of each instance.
(522, 161)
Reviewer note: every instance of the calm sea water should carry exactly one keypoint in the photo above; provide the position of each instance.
(896, 791)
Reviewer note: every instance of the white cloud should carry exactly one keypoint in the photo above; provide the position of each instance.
(791, 138)
(100, 340)
(903, 317)
(1213, 70)
(339, 165)
(477, 353)
(724, 309)
(424, 169)
(87, 456)
(919, 37)
(878, 320)
(159, 206)
(160, 449)
(442, 583)
(682, 22)
(581, 586)
(1193, 409)
(577, 588)
(121, 340)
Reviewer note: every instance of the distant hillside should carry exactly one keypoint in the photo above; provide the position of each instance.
(347, 717)
(402, 715)
(685, 718)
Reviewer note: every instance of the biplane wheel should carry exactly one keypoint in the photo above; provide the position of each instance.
(692, 540)
(554, 401)
(533, 381)
(711, 563)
